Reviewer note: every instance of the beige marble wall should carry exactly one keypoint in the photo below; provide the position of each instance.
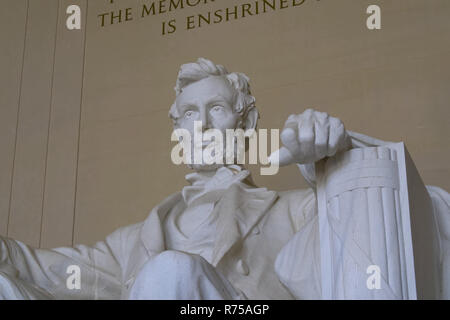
(106, 160)
(40, 119)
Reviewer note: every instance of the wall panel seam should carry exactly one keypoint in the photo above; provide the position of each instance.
(79, 121)
(49, 123)
(17, 117)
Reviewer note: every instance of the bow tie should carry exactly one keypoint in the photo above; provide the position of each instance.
(210, 186)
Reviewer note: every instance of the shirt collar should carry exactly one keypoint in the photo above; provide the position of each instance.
(213, 181)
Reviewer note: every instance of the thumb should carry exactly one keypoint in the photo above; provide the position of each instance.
(281, 157)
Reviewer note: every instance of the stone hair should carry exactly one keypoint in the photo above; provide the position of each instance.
(204, 68)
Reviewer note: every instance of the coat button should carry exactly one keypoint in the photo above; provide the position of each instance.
(256, 230)
(242, 268)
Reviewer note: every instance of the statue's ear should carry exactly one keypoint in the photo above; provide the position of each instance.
(252, 119)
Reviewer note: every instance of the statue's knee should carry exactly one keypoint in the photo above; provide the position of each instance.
(166, 276)
(178, 275)
(173, 264)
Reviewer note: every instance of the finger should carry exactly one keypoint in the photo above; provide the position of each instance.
(321, 140)
(308, 113)
(281, 157)
(335, 136)
(347, 141)
(292, 118)
(306, 139)
(321, 117)
(289, 138)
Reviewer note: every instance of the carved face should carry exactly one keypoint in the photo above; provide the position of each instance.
(210, 101)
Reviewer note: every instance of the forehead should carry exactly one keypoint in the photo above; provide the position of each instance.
(206, 89)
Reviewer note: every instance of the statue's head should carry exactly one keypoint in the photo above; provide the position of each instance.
(208, 93)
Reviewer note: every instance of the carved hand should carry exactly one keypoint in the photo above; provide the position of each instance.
(310, 137)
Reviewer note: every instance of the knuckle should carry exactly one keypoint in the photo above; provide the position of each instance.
(335, 122)
(306, 136)
(308, 112)
(340, 129)
(321, 116)
(288, 135)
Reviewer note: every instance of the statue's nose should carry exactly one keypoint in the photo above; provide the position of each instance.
(204, 120)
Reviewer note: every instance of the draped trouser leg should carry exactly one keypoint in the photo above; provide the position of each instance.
(173, 275)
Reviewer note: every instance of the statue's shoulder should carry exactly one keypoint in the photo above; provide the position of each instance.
(126, 234)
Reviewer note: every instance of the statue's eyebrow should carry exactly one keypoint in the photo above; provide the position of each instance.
(217, 98)
(186, 106)
(189, 105)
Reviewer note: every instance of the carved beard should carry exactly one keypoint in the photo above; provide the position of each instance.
(212, 167)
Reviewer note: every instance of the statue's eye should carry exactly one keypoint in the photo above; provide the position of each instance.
(189, 114)
(217, 108)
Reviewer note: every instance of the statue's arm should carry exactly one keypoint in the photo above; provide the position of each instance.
(312, 136)
(55, 271)
(358, 140)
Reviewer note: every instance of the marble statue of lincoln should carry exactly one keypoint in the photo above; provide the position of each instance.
(220, 237)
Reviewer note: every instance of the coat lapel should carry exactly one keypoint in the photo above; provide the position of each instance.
(152, 232)
(238, 211)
